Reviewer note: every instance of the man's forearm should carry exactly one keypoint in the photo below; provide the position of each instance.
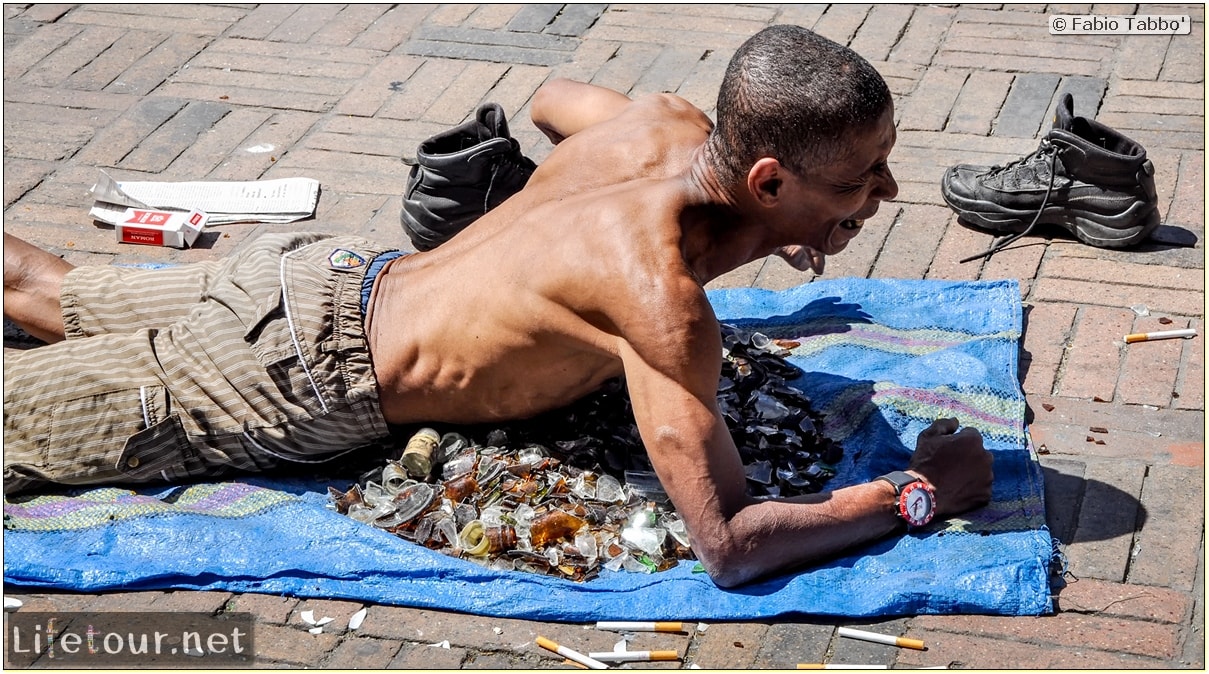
(782, 534)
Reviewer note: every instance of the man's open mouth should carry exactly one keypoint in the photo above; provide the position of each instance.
(852, 225)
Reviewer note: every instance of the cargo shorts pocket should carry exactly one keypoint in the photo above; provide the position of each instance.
(124, 434)
(162, 452)
(266, 331)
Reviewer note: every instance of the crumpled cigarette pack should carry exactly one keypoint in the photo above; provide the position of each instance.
(160, 228)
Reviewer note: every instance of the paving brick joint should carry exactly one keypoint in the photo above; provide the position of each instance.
(340, 93)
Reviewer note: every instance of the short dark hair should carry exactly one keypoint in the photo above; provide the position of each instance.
(794, 95)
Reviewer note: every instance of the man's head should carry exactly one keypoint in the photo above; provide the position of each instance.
(792, 94)
(804, 126)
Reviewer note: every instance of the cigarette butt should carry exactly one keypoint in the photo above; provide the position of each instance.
(832, 665)
(876, 638)
(622, 626)
(568, 653)
(1163, 334)
(569, 661)
(635, 656)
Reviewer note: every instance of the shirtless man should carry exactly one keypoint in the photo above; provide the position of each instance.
(594, 270)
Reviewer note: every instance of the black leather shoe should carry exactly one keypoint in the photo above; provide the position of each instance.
(460, 174)
(1085, 177)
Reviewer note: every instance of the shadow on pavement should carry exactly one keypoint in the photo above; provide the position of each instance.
(1079, 510)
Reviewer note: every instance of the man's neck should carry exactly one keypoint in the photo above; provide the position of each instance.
(717, 236)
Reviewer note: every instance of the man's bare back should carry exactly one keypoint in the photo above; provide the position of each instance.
(509, 339)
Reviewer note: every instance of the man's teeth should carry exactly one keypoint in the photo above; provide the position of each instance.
(852, 224)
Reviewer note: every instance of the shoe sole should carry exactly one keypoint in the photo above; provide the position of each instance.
(1103, 231)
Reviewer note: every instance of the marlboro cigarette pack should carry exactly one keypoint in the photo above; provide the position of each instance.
(160, 228)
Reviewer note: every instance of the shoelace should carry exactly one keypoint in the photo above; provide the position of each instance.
(495, 168)
(1048, 148)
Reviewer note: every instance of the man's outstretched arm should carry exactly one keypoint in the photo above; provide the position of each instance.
(739, 538)
(562, 107)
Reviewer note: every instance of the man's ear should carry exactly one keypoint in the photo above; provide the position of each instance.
(764, 181)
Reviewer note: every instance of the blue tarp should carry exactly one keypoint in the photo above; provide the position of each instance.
(882, 360)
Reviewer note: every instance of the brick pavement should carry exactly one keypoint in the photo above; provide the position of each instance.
(340, 92)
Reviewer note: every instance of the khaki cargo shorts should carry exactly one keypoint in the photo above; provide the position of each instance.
(198, 370)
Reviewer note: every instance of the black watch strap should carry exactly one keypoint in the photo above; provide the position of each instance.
(900, 479)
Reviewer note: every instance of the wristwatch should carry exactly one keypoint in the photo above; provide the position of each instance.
(916, 500)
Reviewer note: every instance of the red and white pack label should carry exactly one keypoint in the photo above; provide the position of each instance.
(161, 228)
(153, 218)
(147, 237)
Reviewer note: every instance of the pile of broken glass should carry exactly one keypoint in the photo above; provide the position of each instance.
(573, 490)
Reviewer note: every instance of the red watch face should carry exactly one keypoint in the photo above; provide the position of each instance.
(917, 504)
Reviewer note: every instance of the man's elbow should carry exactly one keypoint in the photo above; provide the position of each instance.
(551, 87)
(544, 100)
(726, 541)
(728, 565)
(541, 99)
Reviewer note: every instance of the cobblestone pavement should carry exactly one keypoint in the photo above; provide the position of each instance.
(340, 92)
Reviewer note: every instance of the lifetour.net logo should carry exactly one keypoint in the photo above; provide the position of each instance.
(106, 640)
